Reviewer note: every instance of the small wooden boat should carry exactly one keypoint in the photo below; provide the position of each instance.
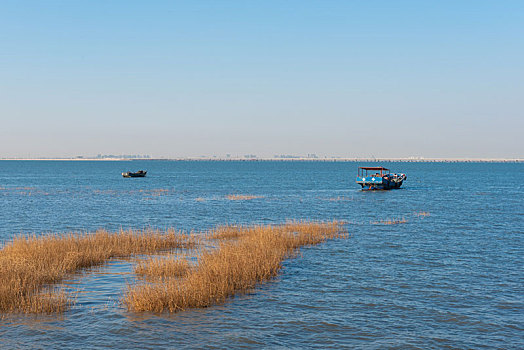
(140, 173)
(379, 179)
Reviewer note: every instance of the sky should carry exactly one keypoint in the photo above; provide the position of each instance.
(434, 79)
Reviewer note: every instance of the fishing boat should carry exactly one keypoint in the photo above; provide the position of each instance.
(379, 178)
(140, 173)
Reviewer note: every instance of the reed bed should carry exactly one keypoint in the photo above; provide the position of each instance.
(242, 197)
(246, 256)
(337, 199)
(30, 265)
(156, 192)
(230, 231)
(163, 267)
(390, 222)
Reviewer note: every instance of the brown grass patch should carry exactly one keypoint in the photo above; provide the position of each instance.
(156, 192)
(163, 267)
(337, 199)
(390, 222)
(241, 197)
(230, 231)
(29, 265)
(233, 267)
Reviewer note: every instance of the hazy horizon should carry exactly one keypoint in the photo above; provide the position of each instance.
(339, 78)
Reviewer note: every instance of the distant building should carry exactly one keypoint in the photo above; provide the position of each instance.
(124, 156)
(286, 156)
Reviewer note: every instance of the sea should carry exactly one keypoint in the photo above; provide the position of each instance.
(437, 264)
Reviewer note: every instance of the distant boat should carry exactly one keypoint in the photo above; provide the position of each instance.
(140, 173)
(380, 178)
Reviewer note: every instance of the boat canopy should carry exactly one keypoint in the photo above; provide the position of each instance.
(373, 168)
(365, 169)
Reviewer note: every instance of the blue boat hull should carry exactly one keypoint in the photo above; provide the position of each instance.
(380, 183)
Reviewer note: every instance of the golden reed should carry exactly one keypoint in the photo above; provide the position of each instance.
(390, 222)
(242, 197)
(162, 267)
(29, 265)
(244, 257)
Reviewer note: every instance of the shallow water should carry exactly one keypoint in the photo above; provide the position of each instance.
(451, 279)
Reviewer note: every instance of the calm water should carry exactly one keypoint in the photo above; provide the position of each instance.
(453, 279)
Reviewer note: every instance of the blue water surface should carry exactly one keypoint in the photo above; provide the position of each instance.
(450, 276)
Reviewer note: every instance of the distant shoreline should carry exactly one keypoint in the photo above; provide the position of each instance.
(297, 159)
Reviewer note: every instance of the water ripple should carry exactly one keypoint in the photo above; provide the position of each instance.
(451, 278)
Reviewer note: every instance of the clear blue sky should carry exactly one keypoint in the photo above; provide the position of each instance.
(190, 78)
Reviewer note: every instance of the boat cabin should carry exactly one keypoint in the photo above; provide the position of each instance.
(379, 171)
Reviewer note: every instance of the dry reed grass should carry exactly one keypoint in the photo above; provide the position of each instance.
(235, 266)
(148, 192)
(229, 231)
(337, 199)
(390, 222)
(163, 267)
(156, 192)
(29, 265)
(23, 191)
(241, 197)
